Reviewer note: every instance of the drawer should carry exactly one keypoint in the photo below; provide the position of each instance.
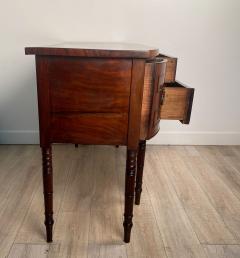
(89, 84)
(86, 128)
(177, 102)
(170, 68)
(152, 94)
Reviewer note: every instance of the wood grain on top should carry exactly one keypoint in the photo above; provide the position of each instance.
(95, 49)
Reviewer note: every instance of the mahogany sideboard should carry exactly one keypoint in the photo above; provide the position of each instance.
(105, 93)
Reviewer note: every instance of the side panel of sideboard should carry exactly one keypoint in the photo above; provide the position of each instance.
(89, 85)
(83, 100)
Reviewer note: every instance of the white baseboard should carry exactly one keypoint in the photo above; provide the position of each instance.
(163, 137)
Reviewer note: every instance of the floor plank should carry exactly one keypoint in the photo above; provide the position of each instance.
(222, 251)
(11, 161)
(73, 221)
(18, 199)
(33, 229)
(190, 204)
(71, 235)
(105, 232)
(220, 195)
(207, 223)
(29, 251)
(178, 236)
(79, 188)
(146, 239)
(225, 164)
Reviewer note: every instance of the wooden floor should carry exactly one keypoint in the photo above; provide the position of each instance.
(190, 204)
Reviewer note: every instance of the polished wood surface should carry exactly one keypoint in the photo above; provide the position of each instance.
(95, 49)
(179, 214)
(90, 128)
(44, 102)
(140, 166)
(106, 94)
(91, 101)
(158, 86)
(146, 101)
(152, 97)
(89, 85)
(135, 106)
(48, 190)
(171, 68)
(129, 193)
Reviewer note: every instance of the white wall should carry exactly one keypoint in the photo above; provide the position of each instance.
(204, 35)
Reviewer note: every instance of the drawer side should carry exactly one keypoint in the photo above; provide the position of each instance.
(177, 102)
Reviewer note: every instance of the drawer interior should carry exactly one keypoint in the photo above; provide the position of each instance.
(177, 102)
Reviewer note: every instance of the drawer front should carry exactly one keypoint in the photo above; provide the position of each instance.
(158, 83)
(147, 99)
(177, 102)
(89, 85)
(152, 92)
(98, 128)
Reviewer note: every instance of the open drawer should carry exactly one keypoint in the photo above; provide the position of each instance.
(170, 68)
(176, 103)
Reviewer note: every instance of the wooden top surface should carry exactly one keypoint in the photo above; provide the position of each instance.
(95, 49)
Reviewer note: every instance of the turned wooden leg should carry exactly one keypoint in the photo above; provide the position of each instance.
(140, 165)
(48, 189)
(129, 193)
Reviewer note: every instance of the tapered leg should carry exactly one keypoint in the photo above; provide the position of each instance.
(48, 189)
(129, 193)
(140, 165)
(76, 145)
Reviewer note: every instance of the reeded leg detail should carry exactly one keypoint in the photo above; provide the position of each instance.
(48, 189)
(140, 165)
(129, 193)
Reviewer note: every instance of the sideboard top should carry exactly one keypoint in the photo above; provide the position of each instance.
(95, 49)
